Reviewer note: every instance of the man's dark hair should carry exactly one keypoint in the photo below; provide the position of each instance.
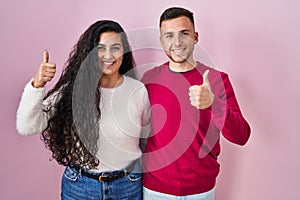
(174, 12)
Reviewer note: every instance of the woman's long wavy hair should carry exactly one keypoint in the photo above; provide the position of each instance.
(73, 129)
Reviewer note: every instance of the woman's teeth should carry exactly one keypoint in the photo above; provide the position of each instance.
(108, 63)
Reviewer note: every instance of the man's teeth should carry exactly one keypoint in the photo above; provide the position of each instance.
(177, 50)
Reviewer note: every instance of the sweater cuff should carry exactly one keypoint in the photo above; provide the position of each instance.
(33, 93)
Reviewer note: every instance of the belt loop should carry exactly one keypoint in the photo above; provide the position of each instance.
(79, 172)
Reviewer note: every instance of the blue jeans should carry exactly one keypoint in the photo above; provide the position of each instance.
(75, 186)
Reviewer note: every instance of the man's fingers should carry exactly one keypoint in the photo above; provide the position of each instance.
(45, 56)
(197, 90)
(194, 98)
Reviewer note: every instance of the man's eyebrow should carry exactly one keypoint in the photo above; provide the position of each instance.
(168, 32)
(185, 30)
(172, 32)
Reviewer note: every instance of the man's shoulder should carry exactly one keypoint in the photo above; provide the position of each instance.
(154, 72)
(201, 67)
(158, 68)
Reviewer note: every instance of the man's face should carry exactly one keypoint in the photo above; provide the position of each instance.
(178, 38)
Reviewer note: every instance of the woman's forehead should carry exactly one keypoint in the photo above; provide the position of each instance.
(110, 38)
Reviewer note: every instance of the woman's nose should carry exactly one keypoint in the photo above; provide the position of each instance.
(107, 54)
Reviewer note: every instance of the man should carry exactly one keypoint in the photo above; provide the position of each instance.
(191, 104)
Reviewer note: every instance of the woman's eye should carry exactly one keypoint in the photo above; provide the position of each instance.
(115, 48)
(101, 48)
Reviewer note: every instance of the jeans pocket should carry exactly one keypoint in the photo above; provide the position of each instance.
(133, 177)
(71, 174)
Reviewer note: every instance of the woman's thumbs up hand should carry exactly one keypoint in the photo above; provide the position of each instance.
(45, 73)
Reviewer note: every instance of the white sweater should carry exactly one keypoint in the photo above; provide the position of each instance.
(124, 118)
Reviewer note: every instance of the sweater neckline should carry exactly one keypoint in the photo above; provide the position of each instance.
(174, 72)
(119, 87)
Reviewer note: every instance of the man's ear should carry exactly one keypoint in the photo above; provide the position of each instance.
(196, 38)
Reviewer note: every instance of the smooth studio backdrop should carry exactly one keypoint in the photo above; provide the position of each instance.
(255, 41)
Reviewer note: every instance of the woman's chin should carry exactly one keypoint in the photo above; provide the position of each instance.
(109, 72)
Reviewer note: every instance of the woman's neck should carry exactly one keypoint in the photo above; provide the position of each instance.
(110, 81)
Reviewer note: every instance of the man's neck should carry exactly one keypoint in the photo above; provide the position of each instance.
(182, 67)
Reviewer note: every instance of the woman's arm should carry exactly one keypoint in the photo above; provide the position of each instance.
(31, 115)
(31, 118)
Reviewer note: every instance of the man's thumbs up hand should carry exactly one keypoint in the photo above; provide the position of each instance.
(201, 96)
(45, 72)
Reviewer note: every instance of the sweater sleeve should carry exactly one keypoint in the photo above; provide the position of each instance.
(31, 119)
(226, 114)
(145, 117)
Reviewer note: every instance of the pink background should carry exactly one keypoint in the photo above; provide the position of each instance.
(255, 41)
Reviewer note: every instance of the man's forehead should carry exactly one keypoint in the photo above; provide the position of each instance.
(177, 25)
(169, 30)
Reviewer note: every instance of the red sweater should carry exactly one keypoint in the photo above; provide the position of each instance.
(182, 150)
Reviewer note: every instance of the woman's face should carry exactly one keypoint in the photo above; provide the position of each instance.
(110, 52)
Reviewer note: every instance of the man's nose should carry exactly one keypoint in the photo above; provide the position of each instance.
(177, 39)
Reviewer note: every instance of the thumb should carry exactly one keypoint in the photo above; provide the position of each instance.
(205, 77)
(206, 81)
(45, 56)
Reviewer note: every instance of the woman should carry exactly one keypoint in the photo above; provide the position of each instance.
(93, 117)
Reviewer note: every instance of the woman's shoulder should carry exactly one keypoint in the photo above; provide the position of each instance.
(133, 82)
(134, 86)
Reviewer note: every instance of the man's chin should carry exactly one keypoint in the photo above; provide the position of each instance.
(177, 59)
